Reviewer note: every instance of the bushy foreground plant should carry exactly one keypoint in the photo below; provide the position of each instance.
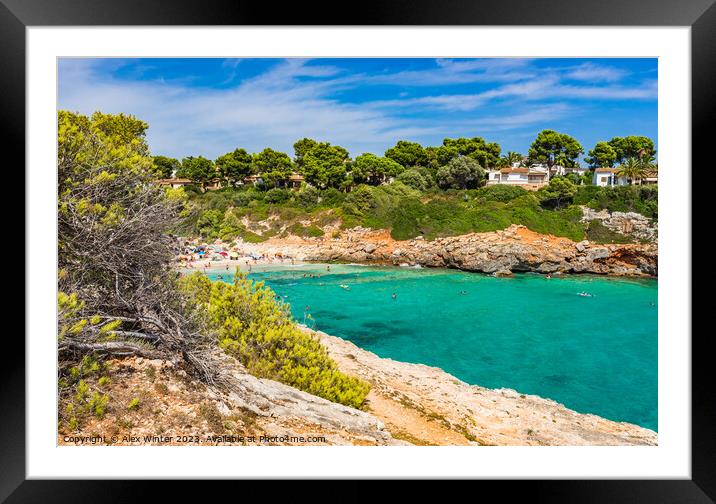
(117, 294)
(259, 331)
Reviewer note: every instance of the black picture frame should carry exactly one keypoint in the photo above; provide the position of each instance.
(700, 15)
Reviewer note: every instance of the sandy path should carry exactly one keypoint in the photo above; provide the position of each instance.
(410, 425)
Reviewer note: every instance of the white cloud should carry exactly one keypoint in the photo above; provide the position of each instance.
(270, 110)
(592, 72)
(451, 72)
(293, 99)
(546, 87)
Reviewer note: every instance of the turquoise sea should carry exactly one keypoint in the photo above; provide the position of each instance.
(536, 335)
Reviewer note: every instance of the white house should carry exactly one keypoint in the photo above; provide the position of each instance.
(608, 177)
(523, 177)
(579, 170)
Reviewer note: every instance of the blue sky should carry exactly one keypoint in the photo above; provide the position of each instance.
(211, 106)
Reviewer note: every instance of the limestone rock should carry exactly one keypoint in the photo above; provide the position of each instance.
(516, 249)
(503, 273)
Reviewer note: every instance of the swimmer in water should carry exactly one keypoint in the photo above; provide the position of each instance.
(395, 296)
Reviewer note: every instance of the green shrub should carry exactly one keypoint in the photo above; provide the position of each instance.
(640, 199)
(209, 223)
(251, 237)
(97, 405)
(259, 331)
(460, 172)
(415, 179)
(243, 198)
(192, 189)
(500, 192)
(277, 196)
(311, 231)
(332, 197)
(360, 201)
(559, 192)
(308, 196)
(585, 194)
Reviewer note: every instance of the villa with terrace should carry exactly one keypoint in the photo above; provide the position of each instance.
(608, 177)
(528, 178)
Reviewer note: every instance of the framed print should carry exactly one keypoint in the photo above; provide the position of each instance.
(416, 243)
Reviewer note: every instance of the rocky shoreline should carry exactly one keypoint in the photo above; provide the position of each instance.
(409, 404)
(515, 249)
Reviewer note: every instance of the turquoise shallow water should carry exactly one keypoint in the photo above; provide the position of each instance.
(535, 335)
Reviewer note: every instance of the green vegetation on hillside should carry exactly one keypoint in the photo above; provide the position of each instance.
(409, 212)
(411, 190)
(639, 199)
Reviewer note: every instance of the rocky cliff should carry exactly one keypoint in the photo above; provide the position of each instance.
(629, 224)
(515, 249)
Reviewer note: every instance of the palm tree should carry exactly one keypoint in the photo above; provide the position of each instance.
(510, 159)
(633, 169)
(513, 157)
(648, 162)
(563, 160)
